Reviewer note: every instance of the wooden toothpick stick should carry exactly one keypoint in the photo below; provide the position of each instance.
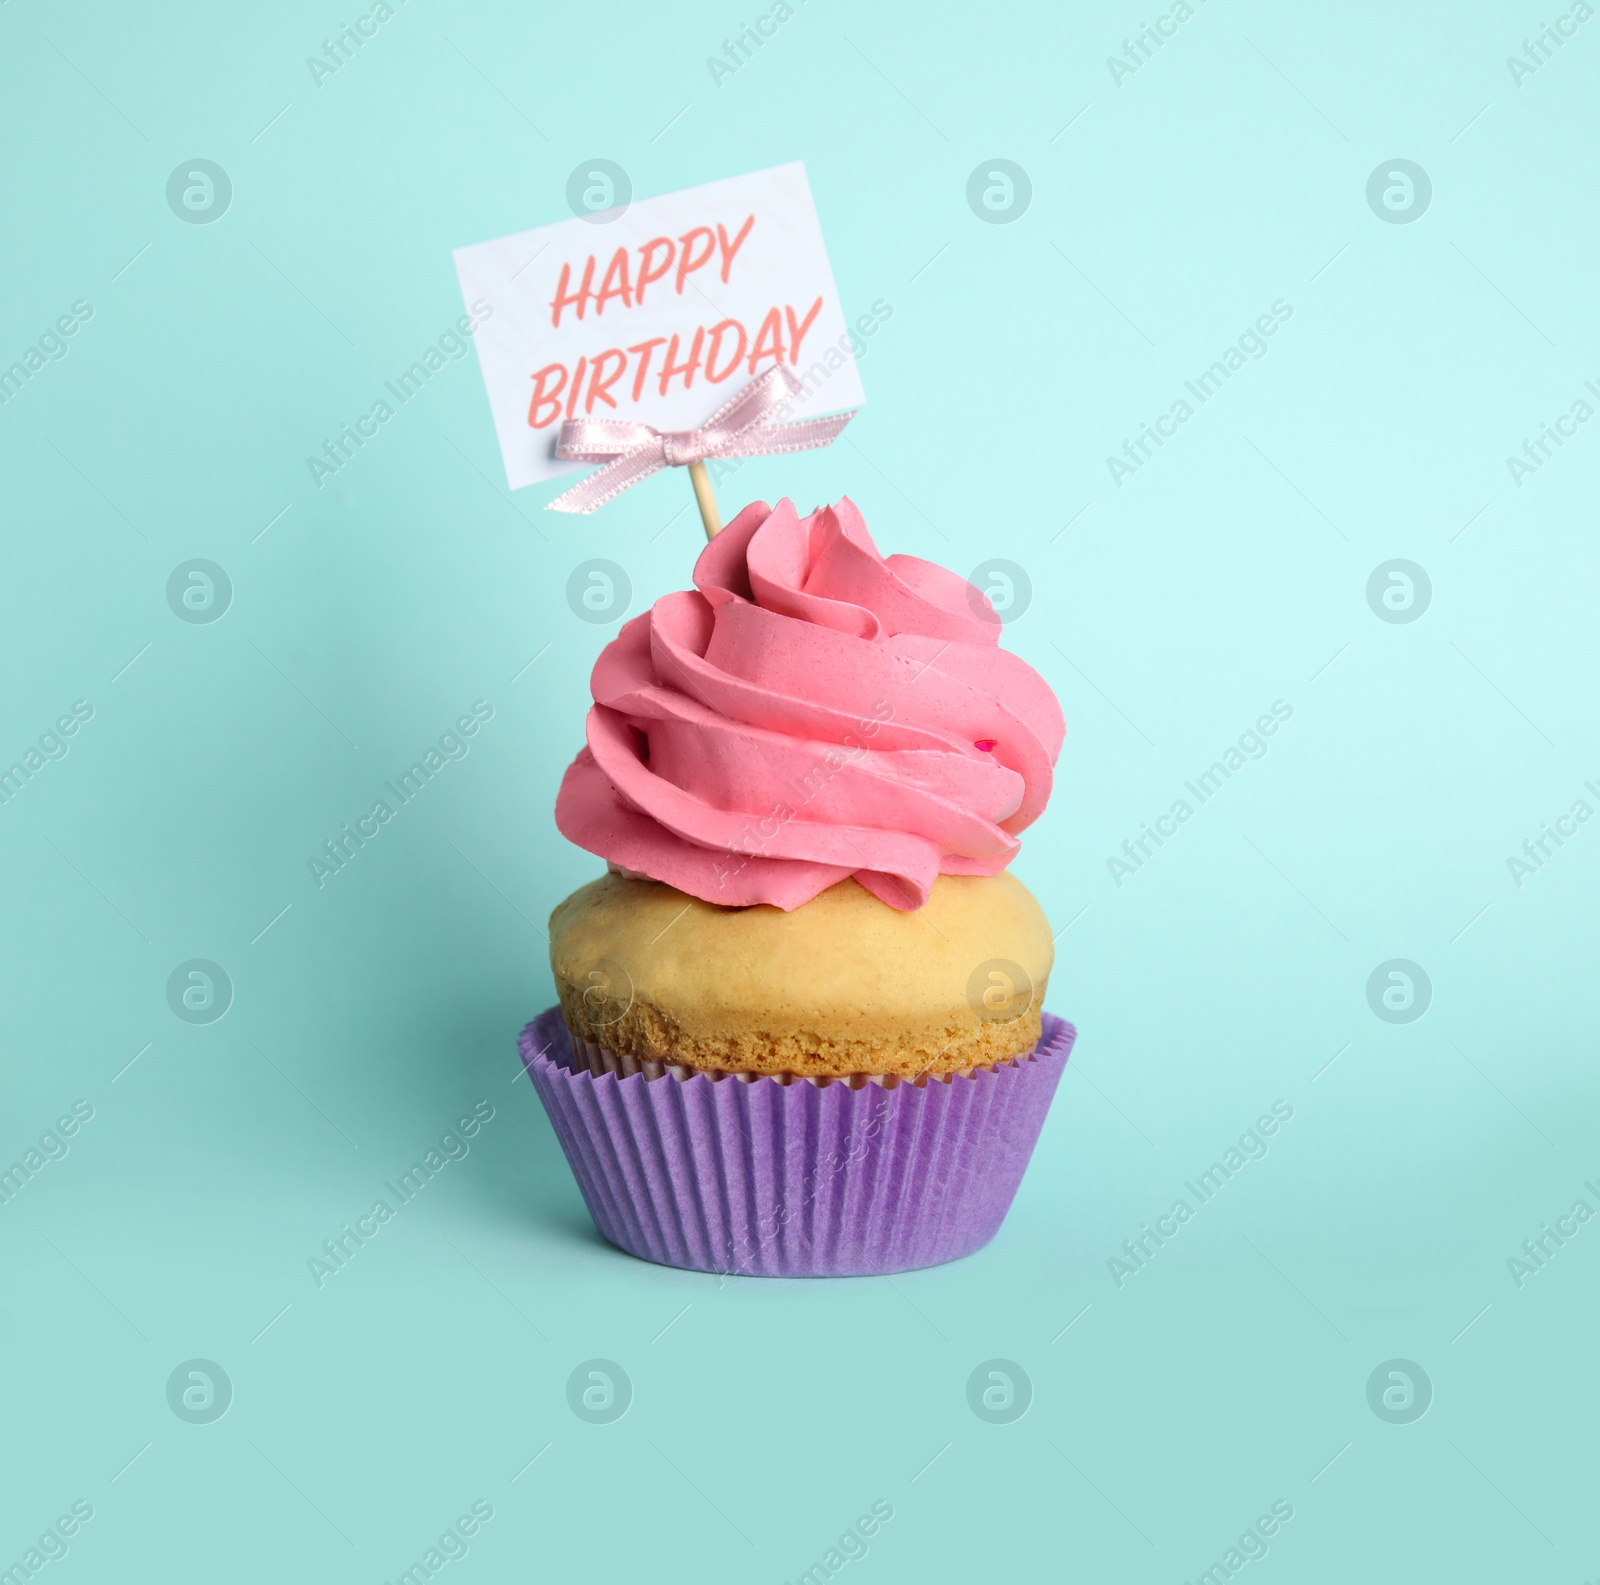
(706, 498)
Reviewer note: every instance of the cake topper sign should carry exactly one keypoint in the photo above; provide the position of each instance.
(651, 334)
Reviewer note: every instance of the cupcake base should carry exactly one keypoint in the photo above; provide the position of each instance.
(767, 1179)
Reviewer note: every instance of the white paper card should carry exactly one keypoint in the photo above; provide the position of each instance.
(659, 313)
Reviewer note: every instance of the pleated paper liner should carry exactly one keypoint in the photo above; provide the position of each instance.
(775, 1179)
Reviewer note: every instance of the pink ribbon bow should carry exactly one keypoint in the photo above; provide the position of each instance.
(741, 427)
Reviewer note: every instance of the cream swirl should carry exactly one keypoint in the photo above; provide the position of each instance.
(812, 710)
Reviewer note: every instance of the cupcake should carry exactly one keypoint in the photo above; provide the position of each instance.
(801, 1026)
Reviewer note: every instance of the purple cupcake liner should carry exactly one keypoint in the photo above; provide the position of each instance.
(795, 1180)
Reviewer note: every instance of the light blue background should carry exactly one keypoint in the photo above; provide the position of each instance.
(1168, 212)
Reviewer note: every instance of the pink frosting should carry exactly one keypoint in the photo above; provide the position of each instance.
(815, 710)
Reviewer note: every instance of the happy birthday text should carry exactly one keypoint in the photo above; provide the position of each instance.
(663, 264)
